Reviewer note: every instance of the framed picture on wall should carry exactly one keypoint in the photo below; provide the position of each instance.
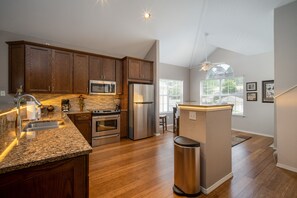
(251, 86)
(268, 91)
(251, 96)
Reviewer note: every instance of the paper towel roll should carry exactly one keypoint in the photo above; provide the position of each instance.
(31, 110)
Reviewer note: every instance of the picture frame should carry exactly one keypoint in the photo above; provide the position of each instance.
(268, 91)
(251, 96)
(251, 86)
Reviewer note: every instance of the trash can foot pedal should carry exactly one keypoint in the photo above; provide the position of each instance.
(181, 193)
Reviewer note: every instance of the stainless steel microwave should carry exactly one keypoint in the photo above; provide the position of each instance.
(102, 87)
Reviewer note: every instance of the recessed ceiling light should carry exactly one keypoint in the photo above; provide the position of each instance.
(147, 15)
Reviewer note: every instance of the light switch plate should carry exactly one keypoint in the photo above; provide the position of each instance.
(192, 115)
(2, 93)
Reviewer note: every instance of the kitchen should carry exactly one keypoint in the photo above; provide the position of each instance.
(94, 96)
(149, 52)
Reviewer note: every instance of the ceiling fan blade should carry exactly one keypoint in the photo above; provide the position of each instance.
(220, 63)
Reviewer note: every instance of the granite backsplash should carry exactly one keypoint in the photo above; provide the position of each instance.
(91, 102)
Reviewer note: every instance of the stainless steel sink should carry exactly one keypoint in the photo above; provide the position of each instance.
(42, 125)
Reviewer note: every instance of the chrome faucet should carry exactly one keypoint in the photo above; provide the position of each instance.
(19, 119)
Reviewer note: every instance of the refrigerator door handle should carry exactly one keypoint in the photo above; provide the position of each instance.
(144, 102)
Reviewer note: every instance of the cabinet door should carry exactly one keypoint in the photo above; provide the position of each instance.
(124, 123)
(80, 73)
(83, 122)
(16, 67)
(38, 69)
(146, 71)
(108, 68)
(119, 77)
(133, 69)
(95, 68)
(65, 178)
(62, 75)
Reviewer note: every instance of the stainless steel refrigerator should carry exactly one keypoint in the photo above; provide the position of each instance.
(141, 111)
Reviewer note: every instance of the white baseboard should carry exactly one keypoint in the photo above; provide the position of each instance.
(217, 184)
(290, 168)
(255, 133)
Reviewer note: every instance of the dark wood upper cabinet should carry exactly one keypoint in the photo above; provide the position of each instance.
(119, 77)
(16, 67)
(95, 68)
(80, 73)
(38, 69)
(133, 69)
(108, 69)
(62, 67)
(48, 69)
(102, 68)
(140, 70)
(146, 71)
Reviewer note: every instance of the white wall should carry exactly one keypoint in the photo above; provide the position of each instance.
(258, 116)
(285, 49)
(174, 72)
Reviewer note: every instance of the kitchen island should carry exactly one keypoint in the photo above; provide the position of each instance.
(211, 126)
(52, 162)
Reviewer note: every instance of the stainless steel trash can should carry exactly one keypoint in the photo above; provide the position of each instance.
(186, 166)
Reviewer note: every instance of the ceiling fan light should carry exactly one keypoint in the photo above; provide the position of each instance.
(205, 66)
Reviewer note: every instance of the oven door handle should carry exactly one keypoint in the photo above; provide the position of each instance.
(105, 117)
(106, 136)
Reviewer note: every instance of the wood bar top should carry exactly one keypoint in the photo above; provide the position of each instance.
(203, 107)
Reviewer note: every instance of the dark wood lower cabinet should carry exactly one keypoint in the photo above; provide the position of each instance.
(124, 124)
(83, 122)
(65, 178)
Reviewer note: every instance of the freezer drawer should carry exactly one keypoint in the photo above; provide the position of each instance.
(143, 120)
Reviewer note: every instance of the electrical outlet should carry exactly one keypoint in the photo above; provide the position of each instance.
(2, 93)
(192, 115)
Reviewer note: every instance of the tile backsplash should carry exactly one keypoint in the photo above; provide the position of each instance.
(91, 102)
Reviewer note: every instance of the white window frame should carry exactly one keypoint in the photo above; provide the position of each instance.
(221, 95)
(168, 96)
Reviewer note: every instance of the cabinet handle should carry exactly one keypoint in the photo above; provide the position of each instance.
(49, 88)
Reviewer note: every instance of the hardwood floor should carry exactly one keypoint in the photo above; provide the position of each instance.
(144, 168)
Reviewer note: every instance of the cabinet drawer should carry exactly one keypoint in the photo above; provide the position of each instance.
(82, 117)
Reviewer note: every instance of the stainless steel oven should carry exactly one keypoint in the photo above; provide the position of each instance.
(105, 128)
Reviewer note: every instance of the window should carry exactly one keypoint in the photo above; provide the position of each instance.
(222, 88)
(171, 92)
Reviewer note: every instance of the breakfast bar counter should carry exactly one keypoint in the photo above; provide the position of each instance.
(211, 126)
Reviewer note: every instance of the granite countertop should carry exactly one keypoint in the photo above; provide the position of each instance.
(40, 147)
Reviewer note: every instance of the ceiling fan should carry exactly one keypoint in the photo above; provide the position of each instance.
(207, 65)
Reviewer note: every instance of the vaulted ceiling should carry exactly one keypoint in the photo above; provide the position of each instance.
(116, 27)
